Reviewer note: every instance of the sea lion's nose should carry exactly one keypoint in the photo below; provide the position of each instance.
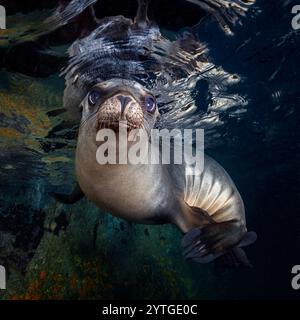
(124, 101)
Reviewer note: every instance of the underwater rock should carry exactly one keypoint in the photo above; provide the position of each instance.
(21, 229)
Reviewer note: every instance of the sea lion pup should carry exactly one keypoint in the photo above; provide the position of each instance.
(206, 207)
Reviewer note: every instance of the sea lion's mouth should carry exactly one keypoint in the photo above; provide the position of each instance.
(117, 125)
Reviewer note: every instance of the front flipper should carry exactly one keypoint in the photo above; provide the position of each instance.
(72, 198)
(208, 243)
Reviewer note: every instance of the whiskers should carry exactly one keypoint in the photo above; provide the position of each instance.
(108, 124)
(90, 119)
(146, 125)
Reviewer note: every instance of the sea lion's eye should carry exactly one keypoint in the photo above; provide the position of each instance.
(94, 97)
(150, 104)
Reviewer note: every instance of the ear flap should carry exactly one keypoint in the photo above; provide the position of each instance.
(225, 10)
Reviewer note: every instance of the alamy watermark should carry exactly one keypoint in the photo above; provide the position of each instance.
(296, 18)
(2, 17)
(2, 278)
(296, 278)
(159, 147)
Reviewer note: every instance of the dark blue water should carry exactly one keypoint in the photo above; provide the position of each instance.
(261, 151)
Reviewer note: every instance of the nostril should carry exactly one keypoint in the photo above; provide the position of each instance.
(124, 101)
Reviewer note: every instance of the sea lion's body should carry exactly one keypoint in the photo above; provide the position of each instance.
(206, 207)
(158, 193)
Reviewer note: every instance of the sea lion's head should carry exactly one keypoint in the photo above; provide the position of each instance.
(114, 103)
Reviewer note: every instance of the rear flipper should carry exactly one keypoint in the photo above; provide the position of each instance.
(235, 258)
(72, 198)
(215, 240)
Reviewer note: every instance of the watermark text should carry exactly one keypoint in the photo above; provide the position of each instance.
(2, 18)
(296, 18)
(159, 147)
(296, 279)
(2, 278)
